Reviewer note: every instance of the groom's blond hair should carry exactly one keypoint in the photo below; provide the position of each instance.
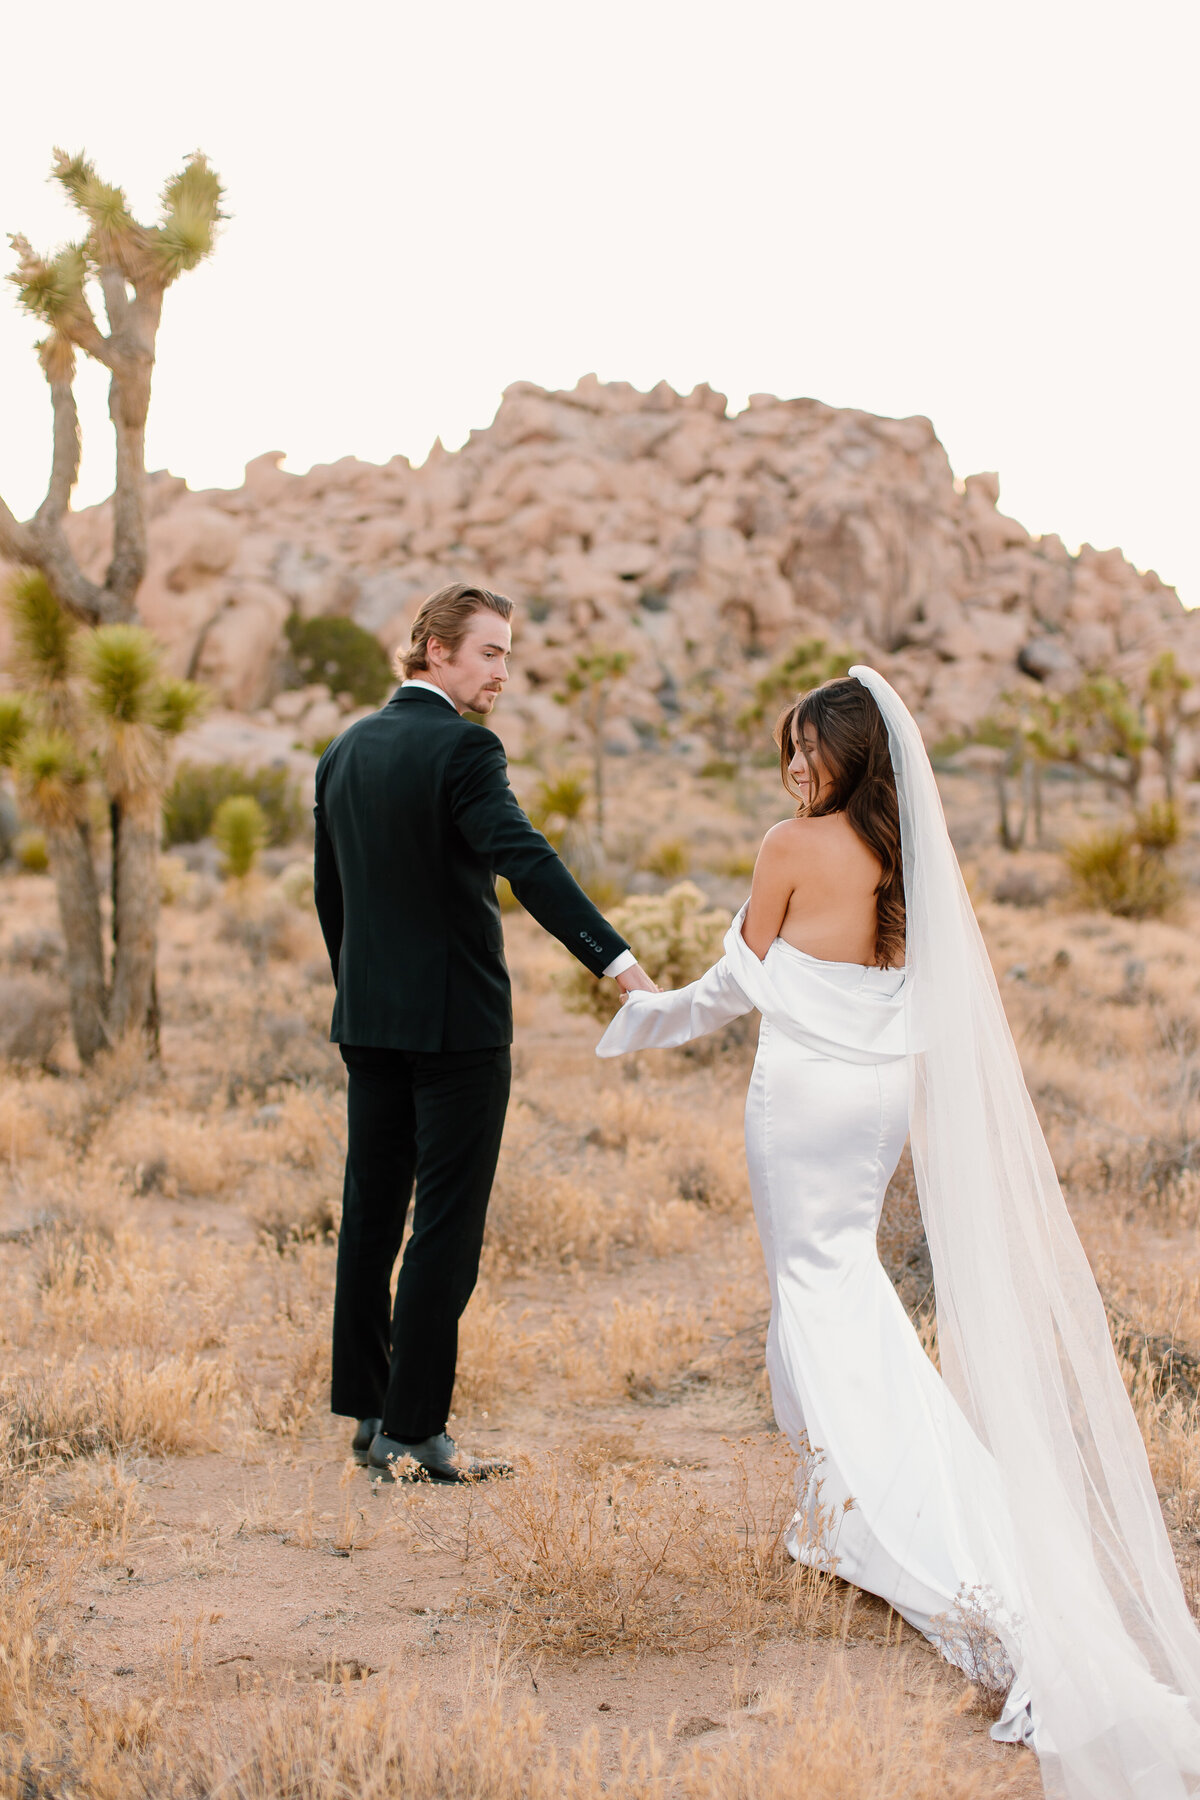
(445, 616)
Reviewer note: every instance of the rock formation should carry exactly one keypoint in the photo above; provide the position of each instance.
(704, 544)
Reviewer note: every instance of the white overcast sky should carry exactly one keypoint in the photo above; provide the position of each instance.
(984, 213)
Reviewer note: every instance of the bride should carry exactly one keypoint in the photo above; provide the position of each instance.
(1014, 1487)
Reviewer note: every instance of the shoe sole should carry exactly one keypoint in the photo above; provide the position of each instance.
(424, 1474)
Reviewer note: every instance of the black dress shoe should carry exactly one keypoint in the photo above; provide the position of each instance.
(434, 1459)
(360, 1443)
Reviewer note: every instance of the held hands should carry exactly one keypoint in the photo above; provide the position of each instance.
(633, 980)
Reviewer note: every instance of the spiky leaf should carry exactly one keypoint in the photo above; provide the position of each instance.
(106, 207)
(43, 630)
(14, 726)
(196, 187)
(120, 666)
(191, 212)
(53, 778)
(73, 171)
(176, 704)
(51, 287)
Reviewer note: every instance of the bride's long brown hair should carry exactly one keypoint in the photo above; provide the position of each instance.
(853, 742)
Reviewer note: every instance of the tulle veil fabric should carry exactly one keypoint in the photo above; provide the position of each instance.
(1101, 1631)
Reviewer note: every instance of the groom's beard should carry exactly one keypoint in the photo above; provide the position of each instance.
(485, 699)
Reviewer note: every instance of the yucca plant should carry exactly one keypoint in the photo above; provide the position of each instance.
(240, 830)
(98, 689)
(1125, 870)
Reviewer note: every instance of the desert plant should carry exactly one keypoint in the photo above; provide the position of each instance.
(675, 935)
(198, 789)
(589, 685)
(32, 1016)
(669, 857)
(96, 713)
(559, 809)
(806, 665)
(1125, 870)
(132, 265)
(341, 654)
(240, 829)
(1166, 684)
(1022, 729)
(29, 848)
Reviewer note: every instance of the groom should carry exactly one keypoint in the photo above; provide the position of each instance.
(415, 818)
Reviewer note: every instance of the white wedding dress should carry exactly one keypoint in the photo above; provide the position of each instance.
(826, 1121)
(1016, 1482)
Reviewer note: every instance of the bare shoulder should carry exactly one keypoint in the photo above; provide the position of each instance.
(808, 838)
(815, 848)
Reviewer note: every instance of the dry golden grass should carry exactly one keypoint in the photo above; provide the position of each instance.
(167, 1256)
(589, 1555)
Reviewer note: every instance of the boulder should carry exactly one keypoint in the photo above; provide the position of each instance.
(242, 648)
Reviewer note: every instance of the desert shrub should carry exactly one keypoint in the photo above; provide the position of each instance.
(1124, 870)
(676, 936)
(29, 849)
(341, 654)
(240, 829)
(295, 883)
(78, 1408)
(176, 881)
(265, 923)
(590, 1556)
(199, 788)
(33, 1014)
(670, 858)
(39, 951)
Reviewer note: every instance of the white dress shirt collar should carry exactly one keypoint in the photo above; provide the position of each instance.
(429, 687)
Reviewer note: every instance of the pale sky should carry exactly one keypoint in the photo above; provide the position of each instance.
(983, 213)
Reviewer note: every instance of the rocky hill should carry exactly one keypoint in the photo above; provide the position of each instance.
(704, 544)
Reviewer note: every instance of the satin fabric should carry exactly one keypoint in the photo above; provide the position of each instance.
(826, 1121)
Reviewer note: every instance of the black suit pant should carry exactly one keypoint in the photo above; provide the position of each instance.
(435, 1117)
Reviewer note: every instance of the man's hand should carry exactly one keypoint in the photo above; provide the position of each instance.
(635, 979)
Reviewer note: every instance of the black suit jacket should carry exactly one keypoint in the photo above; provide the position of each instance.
(415, 818)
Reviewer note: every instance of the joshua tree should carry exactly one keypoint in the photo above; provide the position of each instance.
(95, 717)
(589, 682)
(1166, 684)
(116, 723)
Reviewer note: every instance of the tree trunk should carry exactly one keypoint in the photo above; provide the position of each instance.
(598, 709)
(79, 914)
(1004, 829)
(135, 922)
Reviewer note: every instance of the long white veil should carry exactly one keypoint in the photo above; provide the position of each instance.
(1102, 1634)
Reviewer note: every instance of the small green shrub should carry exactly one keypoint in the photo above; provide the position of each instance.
(29, 848)
(1124, 870)
(675, 936)
(340, 653)
(240, 829)
(199, 788)
(719, 768)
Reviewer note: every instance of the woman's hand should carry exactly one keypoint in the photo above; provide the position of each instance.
(635, 980)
